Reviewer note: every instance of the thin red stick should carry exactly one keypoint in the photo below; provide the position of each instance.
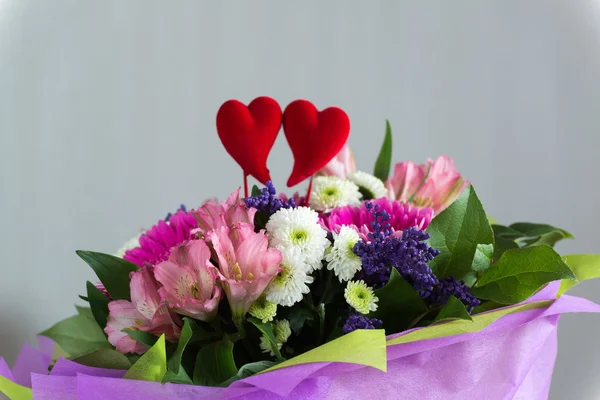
(245, 184)
(308, 192)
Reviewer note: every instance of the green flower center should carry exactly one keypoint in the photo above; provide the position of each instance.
(299, 236)
(283, 277)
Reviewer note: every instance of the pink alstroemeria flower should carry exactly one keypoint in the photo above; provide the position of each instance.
(341, 165)
(246, 264)
(145, 312)
(402, 216)
(442, 186)
(189, 281)
(214, 214)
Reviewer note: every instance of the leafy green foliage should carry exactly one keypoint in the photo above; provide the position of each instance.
(175, 371)
(98, 304)
(538, 234)
(78, 335)
(526, 234)
(112, 271)
(453, 309)
(249, 370)
(104, 358)
(384, 160)
(255, 191)
(521, 272)
(143, 337)
(214, 363)
(298, 317)
(464, 238)
(267, 329)
(399, 304)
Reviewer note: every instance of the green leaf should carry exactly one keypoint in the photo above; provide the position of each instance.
(399, 304)
(501, 245)
(112, 271)
(249, 370)
(459, 232)
(298, 316)
(255, 191)
(538, 234)
(267, 329)
(501, 231)
(98, 304)
(175, 371)
(214, 363)
(384, 160)
(521, 272)
(584, 266)
(104, 358)
(453, 309)
(143, 337)
(152, 365)
(530, 234)
(79, 334)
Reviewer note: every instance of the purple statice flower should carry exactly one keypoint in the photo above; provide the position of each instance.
(358, 321)
(267, 201)
(451, 287)
(181, 208)
(408, 253)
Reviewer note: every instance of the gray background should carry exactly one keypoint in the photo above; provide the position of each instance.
(107, 116)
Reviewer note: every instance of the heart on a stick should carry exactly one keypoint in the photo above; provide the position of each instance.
(315, 137)
(249, 132)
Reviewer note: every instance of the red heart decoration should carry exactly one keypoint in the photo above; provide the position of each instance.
(314, 137)
(248, 133)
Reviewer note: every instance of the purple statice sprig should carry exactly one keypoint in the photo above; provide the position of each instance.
(451, 287)
(410, 255)
(266, 200)
(181, 208)
(358, 321)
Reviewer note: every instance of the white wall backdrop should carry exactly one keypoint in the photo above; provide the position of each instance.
(107, 116)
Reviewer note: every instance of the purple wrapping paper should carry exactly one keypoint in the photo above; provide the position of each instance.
(513, 358)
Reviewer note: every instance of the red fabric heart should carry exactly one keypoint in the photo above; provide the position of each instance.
(314, 137)
(248, 133)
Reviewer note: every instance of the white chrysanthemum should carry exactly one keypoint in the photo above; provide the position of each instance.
(281, 330)
(130, 244)
(266, 346)
(299, 228)
(360, 297)
(341, 258)
(329, 192)
(369, 185)
(290, 285)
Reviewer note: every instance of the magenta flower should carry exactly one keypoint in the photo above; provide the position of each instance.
(156, 242)
(145, 312)
(341, 165)
(189, 281)
(402, 216)
(246, 264)
(442, 186)
(214, 214)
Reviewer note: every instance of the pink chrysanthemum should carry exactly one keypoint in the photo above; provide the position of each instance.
(156, 242)
(403, 216)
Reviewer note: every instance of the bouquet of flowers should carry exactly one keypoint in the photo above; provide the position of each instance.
(394, 284)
